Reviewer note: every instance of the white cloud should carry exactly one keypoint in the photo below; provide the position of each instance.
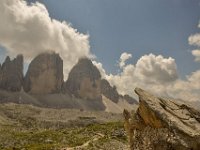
(157, 75)
(29, 30)
(150, 71)
(196, 54)
(186, 89)
(100, 67)
(194, 79)
(194, 39)
(123, 58)
(156, 69)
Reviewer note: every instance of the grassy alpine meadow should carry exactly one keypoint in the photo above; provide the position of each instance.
(21, 131)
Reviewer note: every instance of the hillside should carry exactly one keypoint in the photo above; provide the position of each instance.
(31, 127)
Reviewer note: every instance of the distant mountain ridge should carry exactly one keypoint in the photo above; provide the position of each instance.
(11, 74)
(44, 84)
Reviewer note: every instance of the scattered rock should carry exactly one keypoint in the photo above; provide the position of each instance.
(162, 124)
(45, 74)
(119, 133)
(11, 74)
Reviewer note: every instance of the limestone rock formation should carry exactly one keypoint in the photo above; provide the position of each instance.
(11, 74)
(84, 80)
(130, 99)
(162, 124)
(45, 74)
(109, 91)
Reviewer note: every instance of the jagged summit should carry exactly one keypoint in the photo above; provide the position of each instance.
(11, 74)
(109, 91)
(85, 68)
(44, 85)
(84, 80)
(45, 74)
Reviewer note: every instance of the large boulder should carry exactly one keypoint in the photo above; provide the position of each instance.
(45, 74)
(161, 123)
(11, 74)
(84, 80)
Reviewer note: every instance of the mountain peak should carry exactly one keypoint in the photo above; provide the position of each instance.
(11, 74)
(45, 74)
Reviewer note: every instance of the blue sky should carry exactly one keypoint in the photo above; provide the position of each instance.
(119, 31)
(135, 26)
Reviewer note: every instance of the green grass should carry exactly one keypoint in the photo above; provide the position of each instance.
(47, 139)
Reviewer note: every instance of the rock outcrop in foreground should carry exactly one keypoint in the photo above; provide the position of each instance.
(45, 74)
(11, 74)
(162, 124)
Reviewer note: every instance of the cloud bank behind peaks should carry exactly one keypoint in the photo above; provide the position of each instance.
(157, 74)
(156, 69)
(28, 29)
(150, 72)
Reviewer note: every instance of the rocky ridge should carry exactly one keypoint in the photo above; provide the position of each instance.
(84, 80)
(162, 124)
(109, 91)
(11, 74)
(44, 85)
(45, 74)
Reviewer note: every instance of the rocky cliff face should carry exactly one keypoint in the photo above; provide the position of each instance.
(11, 74)
(84, 80)
(130, 99)
(162, 124)
(45, 74)
(44, 83)
(109, 91)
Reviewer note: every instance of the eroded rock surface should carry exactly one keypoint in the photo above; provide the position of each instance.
(130, 99)
(11, 74)
(109, 91)
(162, 124)
(45, 74)
(84, 80)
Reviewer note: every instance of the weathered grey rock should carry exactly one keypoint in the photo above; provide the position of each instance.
(109, 91)
(11, 74)
(45, 74)
(130, 99)
(84, 80)
(163, 124)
